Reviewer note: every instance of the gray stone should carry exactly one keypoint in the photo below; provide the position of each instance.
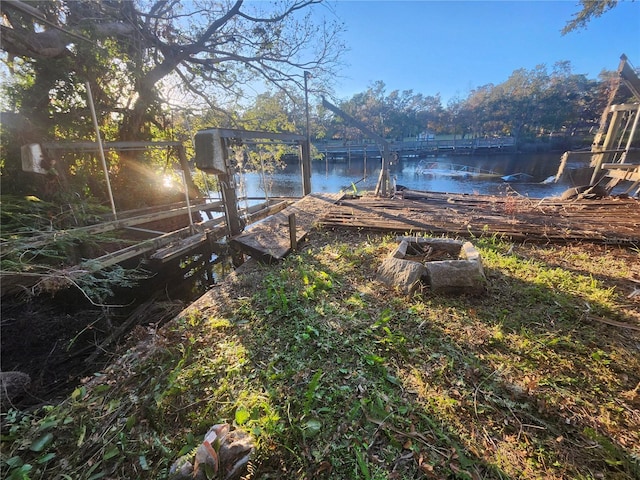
(404, 274)
(447, 244)
(464, 275)
(454, 276)
(401, 250)
(470, 253)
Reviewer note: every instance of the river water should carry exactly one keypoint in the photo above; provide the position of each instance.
(363, 174)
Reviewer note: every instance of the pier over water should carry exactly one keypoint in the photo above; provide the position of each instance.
(341, 151)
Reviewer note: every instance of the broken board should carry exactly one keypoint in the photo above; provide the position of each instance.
(269, 239)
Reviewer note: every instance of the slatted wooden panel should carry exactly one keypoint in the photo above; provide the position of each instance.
(269, 239)
(615, 221)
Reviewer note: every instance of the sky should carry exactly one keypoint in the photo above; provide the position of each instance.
(452, 47)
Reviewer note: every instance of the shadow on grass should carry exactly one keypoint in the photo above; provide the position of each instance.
(536, 388)
(338, 377)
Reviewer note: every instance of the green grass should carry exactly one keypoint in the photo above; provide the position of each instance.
(336, 376)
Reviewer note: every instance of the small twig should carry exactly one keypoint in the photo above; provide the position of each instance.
(477, 389)
(613, 322)
(413, 435)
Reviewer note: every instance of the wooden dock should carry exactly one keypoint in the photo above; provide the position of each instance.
(157, 235)
(271, 238)
(609, 221)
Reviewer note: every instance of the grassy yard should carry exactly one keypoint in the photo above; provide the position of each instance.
(336, 376)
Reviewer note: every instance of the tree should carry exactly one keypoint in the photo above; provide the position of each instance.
(396, 115)
(138, 53)
(271, 112)
(590, 9)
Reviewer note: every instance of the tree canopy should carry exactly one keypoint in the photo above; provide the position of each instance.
(134, 52)
(394, 115)
(139, 56)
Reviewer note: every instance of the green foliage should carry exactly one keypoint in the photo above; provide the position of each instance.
(28, 215)
(36, 439)
(336, 376)
(37, 241)
(590, 10)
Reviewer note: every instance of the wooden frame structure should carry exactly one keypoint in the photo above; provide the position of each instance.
(383, 187)
(612, 154)
(212, 156)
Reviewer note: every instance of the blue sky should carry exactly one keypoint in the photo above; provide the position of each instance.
(451, 47)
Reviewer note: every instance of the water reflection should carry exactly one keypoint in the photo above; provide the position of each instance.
(332, 177)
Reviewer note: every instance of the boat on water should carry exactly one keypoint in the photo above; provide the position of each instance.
(446, 169)
(517, 177)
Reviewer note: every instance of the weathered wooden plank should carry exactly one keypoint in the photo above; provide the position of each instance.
(183, 246)
(269, 239)
(630, 175)
(620, 166)
(103, 227)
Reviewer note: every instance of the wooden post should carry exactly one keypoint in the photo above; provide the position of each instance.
(305, 153)
(230, 202)
(186, 197)
(229, 197)
(306, 145)
(599, 158)
(292, 231)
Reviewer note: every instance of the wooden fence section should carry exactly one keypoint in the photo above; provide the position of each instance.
(612, 221)
(270, 239)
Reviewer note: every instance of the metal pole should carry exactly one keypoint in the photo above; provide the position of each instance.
(186, 196)
(306, 152)
(101, 151)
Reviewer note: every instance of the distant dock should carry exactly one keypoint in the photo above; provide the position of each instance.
(417, 149)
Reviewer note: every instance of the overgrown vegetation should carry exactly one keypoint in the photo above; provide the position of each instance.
(39, 241)
(337, 377)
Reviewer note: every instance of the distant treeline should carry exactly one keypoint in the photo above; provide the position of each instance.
(529, 105)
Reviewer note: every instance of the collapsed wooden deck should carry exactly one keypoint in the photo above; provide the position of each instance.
(156, 235)
(609, 221)
(271, 238)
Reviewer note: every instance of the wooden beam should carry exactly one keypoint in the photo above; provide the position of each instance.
(122, 223)
(625, 107)
(599, 158)
(620, 166)
(629, 77)
(251, 135)
(632, 176)
(181, 248)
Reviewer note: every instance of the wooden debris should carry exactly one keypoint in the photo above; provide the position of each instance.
(611, 221)
(270, 240)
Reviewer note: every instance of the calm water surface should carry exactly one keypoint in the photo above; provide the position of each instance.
(332, 177)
